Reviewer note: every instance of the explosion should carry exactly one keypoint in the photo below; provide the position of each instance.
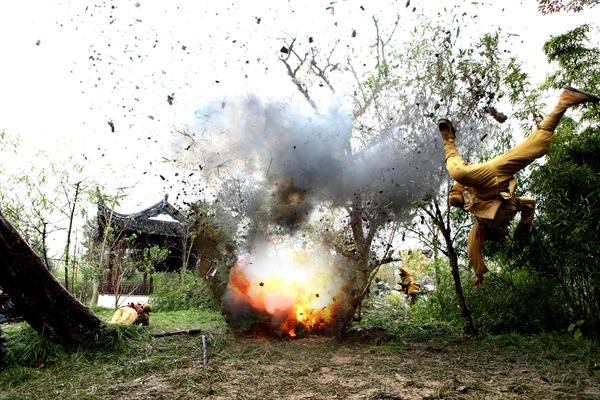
(287, 287)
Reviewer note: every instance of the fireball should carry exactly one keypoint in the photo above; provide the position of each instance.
(291, 286)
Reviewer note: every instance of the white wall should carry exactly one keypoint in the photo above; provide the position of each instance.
(108, 300)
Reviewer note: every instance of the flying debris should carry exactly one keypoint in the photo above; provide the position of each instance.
(498, 116)
(112, 125)
(38, 42)
(171, 98)
(284, 50)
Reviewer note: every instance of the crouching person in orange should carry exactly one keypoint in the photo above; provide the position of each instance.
(132, 314)
(487, 190)
(408, 285)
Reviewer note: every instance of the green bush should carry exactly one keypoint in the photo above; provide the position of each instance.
(518, 301)
(173, 291)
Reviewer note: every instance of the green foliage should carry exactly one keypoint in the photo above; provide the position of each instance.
(517, 301)
(553, 6)
(187, 291)
(564, 246)
(8, 143)
(576, 329)
(28, 348)
(578, 65)
(440, 305)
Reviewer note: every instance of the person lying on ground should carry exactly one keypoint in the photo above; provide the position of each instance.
(132, 314)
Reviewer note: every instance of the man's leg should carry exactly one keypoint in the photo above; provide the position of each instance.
(475, 251)
(472, 175)
(503, 167)
(537, 144)
(527, 207)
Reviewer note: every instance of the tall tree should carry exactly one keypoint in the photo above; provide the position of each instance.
(561, 255)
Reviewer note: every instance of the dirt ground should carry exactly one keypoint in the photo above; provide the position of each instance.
(365, 365)
(316, 368)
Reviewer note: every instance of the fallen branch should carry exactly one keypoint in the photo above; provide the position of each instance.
(192, 331)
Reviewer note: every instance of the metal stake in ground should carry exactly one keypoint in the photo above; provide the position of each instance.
(204, 349)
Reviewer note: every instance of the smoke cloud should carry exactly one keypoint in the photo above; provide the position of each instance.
(298, 159)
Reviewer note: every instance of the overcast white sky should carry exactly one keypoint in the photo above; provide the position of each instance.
(67, 68)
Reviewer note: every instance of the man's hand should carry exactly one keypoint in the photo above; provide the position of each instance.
(478, 281)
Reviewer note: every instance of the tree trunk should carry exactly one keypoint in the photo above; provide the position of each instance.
(45, 304)
(68, 245)
(95, 294)
(470, 327)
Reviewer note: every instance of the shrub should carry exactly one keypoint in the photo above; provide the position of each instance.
(173, 291)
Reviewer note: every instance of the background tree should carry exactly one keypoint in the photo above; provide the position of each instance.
(366, 168)
(559, 261)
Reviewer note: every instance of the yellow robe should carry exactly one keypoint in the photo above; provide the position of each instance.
(124, 316)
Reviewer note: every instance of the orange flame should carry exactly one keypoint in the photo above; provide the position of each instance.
(292, 287)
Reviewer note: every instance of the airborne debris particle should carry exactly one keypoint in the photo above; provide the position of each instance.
(171, 98)
(284, 50)
(112, 125)
(38, 42)
(162, 177)
(262, 284)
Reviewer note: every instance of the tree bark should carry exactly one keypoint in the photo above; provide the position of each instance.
(45, 304)
(95, 294)
(450, 252)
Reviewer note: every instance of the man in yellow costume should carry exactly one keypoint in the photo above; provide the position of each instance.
(132, 314)
(486, 190)
(408, 285)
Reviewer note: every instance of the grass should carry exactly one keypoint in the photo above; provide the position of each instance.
(380, 358)
(173, 320)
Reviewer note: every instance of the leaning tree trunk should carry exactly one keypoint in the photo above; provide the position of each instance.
(43, 301)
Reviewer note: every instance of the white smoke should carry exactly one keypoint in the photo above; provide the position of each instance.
(319, 157)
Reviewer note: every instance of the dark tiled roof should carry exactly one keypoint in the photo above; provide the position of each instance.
(146, 220)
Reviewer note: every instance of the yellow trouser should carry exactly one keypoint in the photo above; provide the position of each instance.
(486, 178)
(124, 316)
